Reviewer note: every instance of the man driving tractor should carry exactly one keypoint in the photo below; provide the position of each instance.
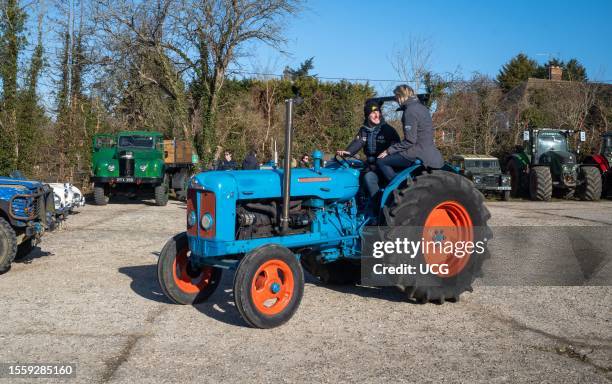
(375, 136)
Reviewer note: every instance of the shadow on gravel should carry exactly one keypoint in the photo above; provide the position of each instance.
(36, 253)
(144, 282)
(220, 306)
(381, 293)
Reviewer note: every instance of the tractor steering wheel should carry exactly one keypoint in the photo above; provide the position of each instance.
(349, 161)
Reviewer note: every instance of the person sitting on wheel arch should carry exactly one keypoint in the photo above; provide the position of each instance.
(418, 140)
(375, 136)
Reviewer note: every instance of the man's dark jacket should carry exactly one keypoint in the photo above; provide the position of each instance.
(373, 140)
(224, 165)
(418, 135)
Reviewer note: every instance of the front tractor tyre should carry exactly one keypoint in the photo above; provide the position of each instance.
(8, 245)
(438, 204)
(540, 184)
(268, 286)
(179, 281)
(590, 189)
(100, 195)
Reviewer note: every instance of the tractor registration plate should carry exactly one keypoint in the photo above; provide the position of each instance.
(125, 179)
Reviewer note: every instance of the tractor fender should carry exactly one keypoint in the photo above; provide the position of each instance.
(599, 161)
(404, 176)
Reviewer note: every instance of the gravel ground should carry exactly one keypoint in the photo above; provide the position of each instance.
(89, 295)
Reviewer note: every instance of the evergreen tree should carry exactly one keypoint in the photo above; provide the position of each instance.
(517, 70)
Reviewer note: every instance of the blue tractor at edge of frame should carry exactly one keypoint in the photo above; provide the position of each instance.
(269, 224)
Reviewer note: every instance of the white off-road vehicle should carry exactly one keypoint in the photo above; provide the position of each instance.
(67, 197)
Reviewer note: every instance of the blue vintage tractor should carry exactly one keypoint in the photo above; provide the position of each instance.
(26, 210)
(269, 224)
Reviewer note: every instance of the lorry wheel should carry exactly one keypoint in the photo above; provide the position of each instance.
(24, 249)
(268, 286)
(540, 184)
(438, 203)
(590, 189)
(100, 197)
(505, 196)
(178, 281)
(8, 245)
(161, 194)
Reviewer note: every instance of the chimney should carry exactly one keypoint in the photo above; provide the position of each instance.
(555, 72)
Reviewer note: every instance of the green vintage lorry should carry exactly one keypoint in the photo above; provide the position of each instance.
(138, 164)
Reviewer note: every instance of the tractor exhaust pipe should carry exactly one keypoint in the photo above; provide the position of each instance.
(289, 103)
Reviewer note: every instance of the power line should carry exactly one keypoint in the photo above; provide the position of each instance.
(373, 80)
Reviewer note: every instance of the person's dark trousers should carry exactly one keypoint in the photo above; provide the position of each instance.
(387, 164)
(371, 182)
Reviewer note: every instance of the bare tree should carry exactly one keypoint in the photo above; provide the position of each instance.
(412, 60)
(213, 34)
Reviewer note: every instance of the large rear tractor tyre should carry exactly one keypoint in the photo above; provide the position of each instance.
(439, 203)
(100, 196)
(590, 189)
(540, 184)
(178, 280)
(268, 286)
(515, 179)
(161, 194)
(24, 249)
(8, 245)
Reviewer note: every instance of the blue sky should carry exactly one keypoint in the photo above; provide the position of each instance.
(354, 39)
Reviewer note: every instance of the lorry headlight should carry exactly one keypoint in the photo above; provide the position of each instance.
(111, 167)
(191, 219)
(477, 179)
(143, 167)
(206, 222)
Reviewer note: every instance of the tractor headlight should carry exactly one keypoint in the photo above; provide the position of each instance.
(477, 179)
(505, 179)
(111, 167)
(206, 222)
(191, 219)
(143, 167)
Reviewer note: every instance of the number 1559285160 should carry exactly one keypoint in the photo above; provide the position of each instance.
(42, 370)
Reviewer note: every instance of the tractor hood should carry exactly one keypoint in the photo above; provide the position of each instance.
(561, 157)
(329, 184)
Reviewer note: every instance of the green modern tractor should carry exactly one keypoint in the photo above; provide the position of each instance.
(545, 164)
(138, 163)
